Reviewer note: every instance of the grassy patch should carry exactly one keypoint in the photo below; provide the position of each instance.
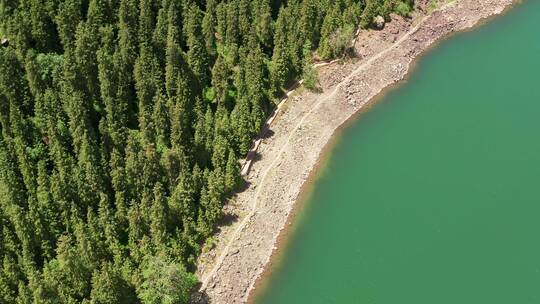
(403, 9)
(432, 6)
(209, 244)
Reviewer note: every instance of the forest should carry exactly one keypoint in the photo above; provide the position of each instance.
(122, 123)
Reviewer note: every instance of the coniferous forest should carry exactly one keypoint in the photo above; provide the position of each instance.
(121, 126)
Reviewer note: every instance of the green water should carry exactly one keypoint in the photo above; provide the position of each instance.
(432, 196)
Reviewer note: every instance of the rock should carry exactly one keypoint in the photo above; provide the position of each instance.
(378, 22)
(4, 42)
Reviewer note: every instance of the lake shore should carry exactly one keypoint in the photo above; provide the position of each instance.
(247, 241)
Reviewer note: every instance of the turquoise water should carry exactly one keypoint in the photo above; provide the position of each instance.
(432, 196)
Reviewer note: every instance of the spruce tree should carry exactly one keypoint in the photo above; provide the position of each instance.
(69, 16)
(197, 54)
(279, 72)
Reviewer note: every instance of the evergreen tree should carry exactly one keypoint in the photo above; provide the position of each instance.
(241, 125)
(160, 216)
(262, 22)
(220, 78)
(329, 32)
(279, 72)
(165, 282)
(370, 11)
(108, 287)
(208, 27)
(197, 54)
(86, 46)
(232, 172)
(69, 16)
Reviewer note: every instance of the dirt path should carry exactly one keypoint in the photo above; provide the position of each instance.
(229, 271)
(246, 164)
(254, 205)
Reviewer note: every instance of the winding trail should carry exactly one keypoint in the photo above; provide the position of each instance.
(254, 204)
(246, 166)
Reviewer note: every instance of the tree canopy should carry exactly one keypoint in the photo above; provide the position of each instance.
(121, 126)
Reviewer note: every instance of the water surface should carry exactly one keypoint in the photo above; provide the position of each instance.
(432, 196)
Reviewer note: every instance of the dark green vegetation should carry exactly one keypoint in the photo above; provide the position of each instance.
(432, 196)
(121, 126)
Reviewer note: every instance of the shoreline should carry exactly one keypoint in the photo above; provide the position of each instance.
(242, 273)
(306, 191)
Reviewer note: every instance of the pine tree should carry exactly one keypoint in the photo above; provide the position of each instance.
(69, 16)
(42, 26)
(13, 83)
(146, 76)
(209, 28)
(181, 137)
(232, 172)
(161, 120)
(181, 202)
(86, 46)
(329, 31)
(116, 116)
(99, 12)
(221, 23)
(220, 78)
(160, 216)
(68, 276)
(152, 173)
(256, 86)
(232, 34)
(197, 54)
(370, 11)
(244, 19)
(159, 37)
(262, 22)
(108, 287)
(146, 22)
(279, 72)
(12, 181)
(241, 124)
(128, 30)
(165, 282)
(309, 22)
(174, 57)
(49, 209)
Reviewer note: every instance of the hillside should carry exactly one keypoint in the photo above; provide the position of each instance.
(121, 126)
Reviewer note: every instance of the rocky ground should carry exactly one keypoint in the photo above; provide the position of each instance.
(304, 125)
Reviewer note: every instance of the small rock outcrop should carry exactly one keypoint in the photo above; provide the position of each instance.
(378, 22)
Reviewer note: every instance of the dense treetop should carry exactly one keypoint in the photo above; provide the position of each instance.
(121, 126)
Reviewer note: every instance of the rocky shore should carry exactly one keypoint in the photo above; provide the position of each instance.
(255, 217)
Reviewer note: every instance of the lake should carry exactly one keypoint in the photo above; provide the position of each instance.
(433, 195)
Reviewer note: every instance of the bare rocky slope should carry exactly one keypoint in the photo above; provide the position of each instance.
(304, 125)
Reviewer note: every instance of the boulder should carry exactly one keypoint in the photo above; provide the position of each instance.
(378, 22)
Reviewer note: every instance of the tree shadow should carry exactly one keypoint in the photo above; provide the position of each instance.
(226, 219)
(350, 53)
(252, 157)
(244, 185)
(267, 133)
(199, 297)
(318, 89)
(257, 156)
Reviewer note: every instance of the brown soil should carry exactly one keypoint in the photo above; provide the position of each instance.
(304, 125)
